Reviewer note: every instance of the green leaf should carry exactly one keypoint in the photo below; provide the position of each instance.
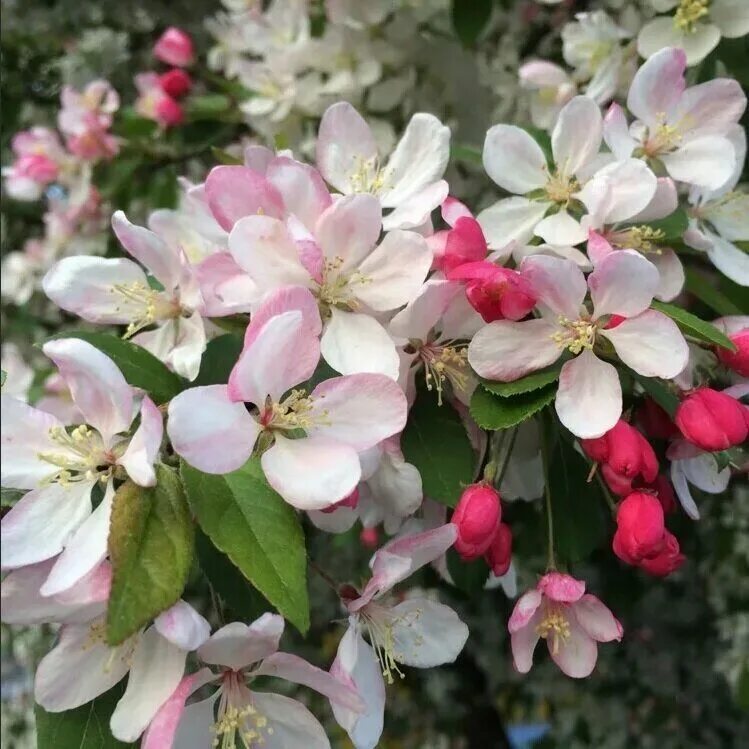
(130, 124)
(139, 367)
(8, 497)
(86, 727)
(469, 577)
(494, 412)
(208, 106)
(224, 157)
(218, 360)
(578, 508)
(469, 19)
(660, 392)
(542, 138)
(673, 226)
(701, 287)
(467, 153)
(435, 441)
(692, 325)
(151, 539)
(526, 384)
(257, 530)
(3, 377)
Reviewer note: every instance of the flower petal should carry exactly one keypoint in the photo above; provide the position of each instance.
(576, 655)
(141, 453)
(514, 160)
(416, 210)
(237, 645)
(349, 229)
(511, 220)
(658, 84)
(670, 272)
(293, 725)
(729, 260)
(302, 188)
(523, 642)
(576, 137)
(707, 162)
(597, 620)
(183, 626)
(561, 228)
(623, 283)
(557, 282)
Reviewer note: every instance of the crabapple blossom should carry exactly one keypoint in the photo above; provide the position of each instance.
(640, 528)
(499, 554)
(175, 82)
(589, 401)
(712, 420)
(477, 517)
(174, 47)
(85, 118)
(61, 467)
(551, 89)
(571, 621)
(155, 103)
(39, 159)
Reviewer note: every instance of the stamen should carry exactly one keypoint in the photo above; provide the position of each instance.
(556, 625)
(643, 238)
(337, 289)
(443, 364)
(84, 458)
(560, 188)
(688, 13)
(238, 719)
(144, 305)
(293, 412)
(576, 334)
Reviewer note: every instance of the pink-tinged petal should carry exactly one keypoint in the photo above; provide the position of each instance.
(424, 310)
(505, 350)
(334, 519)
(349, 229)
(149, 250)
(297, 670)
(313, 472)
(394, 271)
(359, 410)
(179, 343)
(523, 642)
(356, 665)
(631, 187)
(23, 604)
(616, 133)
(598, 247)
(96, 385)
(426, 633)
(416, 210)
(597, 620)
(183, 626)
(561, 588)
(39, 525)
(210, 431)
(560, 228)
(651, 344)
(514, 160)
(419, 160)
(729, 260)
(663, 203)
(511, 220)
(558, 283)
(576, 137)
(226, 289)
(86, 286)
(453, 209)
(85, 551)
(162, 730)
(589, 399)
(623, 283)
(525, 609)
(346, 148)
(671, 274)
(78, 653)
(576, 655)
(237, 645)
(141, 453)
(263, 247)
(711, 108)
(658, 85)
(236, 191)
(194, 730)
(281, 355)
(157, 669)
(258, 158)
(293, 725)
(707, 162)
(25, 434)
(301, 187)
(285, 299)
(354, 342)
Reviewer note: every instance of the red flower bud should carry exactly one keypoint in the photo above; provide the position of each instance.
(499, 554)
(712, 420)
(655, 422)
(477, 517)
(665, 493)
(668, 560)
(169, 112)
(640, 528)
(174, 47)
(737, 360)
(175, 82)
(369, 538)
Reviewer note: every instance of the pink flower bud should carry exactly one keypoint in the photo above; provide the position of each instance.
(37, 167)
(174, 47)
(665, 493)
(369, 538)
(737, 360)
(640, 528)
(477, 518)
(712, 420)
(668, 560)
(175, 83)
(499, 554)
(655, 422)
(168, 112)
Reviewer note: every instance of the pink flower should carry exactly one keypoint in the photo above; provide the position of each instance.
(174, 47)
(175, 83)
(668, 560)
(477, 517)
(589, 399)
(712, 420)
(339, 419)
(737, 329)
(39, 157)
(571, 621)
(154, 103)
(640, 528)
(86, 117)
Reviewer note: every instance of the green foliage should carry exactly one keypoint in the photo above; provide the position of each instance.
(469, 19)
(257, 530)
(496, 412)
(151, 539)
(660, 392)
(469, 577)
(435, 441)
(218, 360)
(692, 325)
(534, 381)
(707, 293)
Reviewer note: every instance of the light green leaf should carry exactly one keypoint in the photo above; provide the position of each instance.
(534, 381)
(435, 441)
(492, 412)
(218, 360)
(8, 497)
(208, 106)
(257, 530)
(692, 325)
(151, 539)
(700, 287)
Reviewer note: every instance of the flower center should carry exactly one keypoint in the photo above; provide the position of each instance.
(337, 289)
(239, 723)
(688, 13)
(378, 621)
(575, 335)
(84, 457)
(367, 176)
(642, 238)
(293, 412)
(554, 625)
(664, 137)
(560, 187)
(443, 364)
(144, 305)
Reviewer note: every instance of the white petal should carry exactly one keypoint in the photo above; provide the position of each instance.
(671, 273)
(730, 260)
(623, 283)
(303, 190)
(514, 160)
(589, 399)
(576, 137)
(681, 487)
(731, 17)
(561, 228)
(141, 453)
(511, 220)
(577, 654)
(183, 626)
(616, 133)
(416, 210)
(658, 84)
(664, 202)
(706, 162)
(702, 471)
(237, 645)
(631, 186)
(195, 724)
(349, 229)
(558, 283)
(293, 725)
(424, 310)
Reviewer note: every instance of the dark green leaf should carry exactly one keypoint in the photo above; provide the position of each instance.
(692, 325)
(86, 727)
(469, 18)
(660, 392)
(469, 577)
(219, 359)
(466, 153)
(257, 530)
(542, 138)
(8, 497)
(151, 539)
(130, 124)
(531, 382)
(139, 367)
(701, 287)
(435, 441)
(491, 412)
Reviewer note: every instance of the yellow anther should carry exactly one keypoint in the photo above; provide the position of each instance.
(84, 457)
(554, 625)
(145, 305)
(643, 238)
(689, 13)
(445, 364)
(560, 188)
(575, 335)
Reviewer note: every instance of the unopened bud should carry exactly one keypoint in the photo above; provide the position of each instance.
(499, 554)
(477, 518)
(174, 47)
(640, 528)
(712, 420)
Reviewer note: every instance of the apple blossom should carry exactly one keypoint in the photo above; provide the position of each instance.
(175, 82)
(155, 103)
(39, 158)
(477, 517)
(499, 554)
(551, 89)
(712, 420)
(174, 47)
